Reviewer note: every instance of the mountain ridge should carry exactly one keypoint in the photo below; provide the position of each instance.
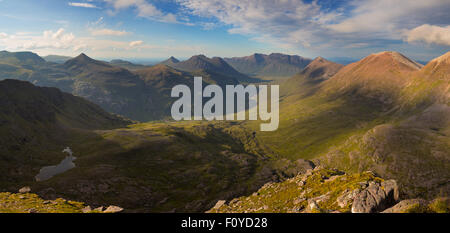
(274, 64)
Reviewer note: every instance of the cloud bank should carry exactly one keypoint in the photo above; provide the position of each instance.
(430, 34)
(295, 23)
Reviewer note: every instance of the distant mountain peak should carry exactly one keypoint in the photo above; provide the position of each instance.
(83, 62)
(170, 61)
(390, 56)
(199, 57)
(173, 59)
(321, 68)
(319, 59)
(83, 56)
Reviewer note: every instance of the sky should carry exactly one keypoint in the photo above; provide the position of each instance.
(158, 29)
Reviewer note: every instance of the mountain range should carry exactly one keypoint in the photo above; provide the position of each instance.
(385, 113)
(273, 65)
(215, 66)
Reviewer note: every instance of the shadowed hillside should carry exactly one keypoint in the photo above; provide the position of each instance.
(273, 65)
(36, 122)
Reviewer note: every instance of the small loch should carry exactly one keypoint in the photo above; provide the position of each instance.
(66, 164)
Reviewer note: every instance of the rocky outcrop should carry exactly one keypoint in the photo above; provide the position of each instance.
(322, 190)
(113, 209)
(376, 197)
(319, 190)
(406, 205)
(438, 205)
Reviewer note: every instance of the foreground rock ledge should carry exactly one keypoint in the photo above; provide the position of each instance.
(26, 202)
(328, 191)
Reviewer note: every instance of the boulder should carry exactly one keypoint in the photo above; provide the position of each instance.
(113, 209)
(86, 209)
(99, 209)
(376, 197)
(406, 206)
(25, 189)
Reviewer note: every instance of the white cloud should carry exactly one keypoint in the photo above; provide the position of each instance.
(107, 32)
(144, 9)
(136, 43)
(297, 24)
(66, 43)
(47, 40)
(387, 15)
(82, 4)
(269, 20)
(430, 34)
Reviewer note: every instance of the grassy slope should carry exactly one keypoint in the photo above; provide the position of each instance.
(161, 167)
(32, 203)
(356, 129)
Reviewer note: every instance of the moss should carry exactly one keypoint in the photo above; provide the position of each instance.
(440, 205)
(416, 208)
(32, 203)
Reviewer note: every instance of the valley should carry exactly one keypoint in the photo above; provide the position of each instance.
(385, 113)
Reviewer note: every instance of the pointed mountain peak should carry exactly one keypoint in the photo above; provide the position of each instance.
(320, 59)
(200, 56)
(321, 68)
(170, 61)
(82, 61)
(392, 58)
(82, 57)
(173, 59)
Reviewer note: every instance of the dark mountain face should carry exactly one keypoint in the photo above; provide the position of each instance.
(115, 89)
(274, 65)
(23, 102)
(35, 115)
(36, 123)
(216, 68)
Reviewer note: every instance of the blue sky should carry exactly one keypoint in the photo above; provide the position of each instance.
(145, 29)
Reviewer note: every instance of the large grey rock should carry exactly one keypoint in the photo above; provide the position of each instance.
(376, 197)
(406, 205)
